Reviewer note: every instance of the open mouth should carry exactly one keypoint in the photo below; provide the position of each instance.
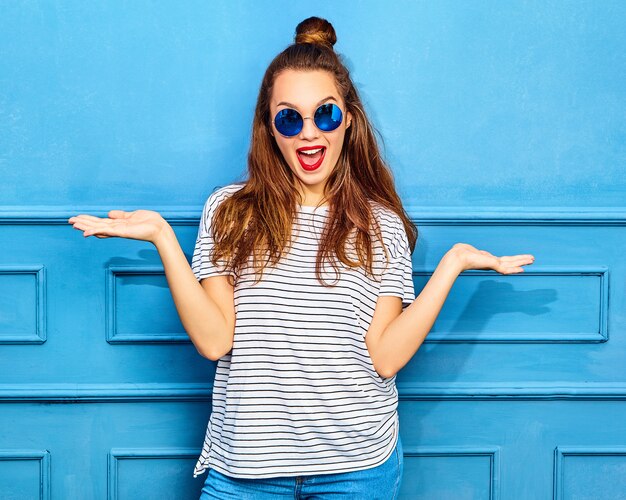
(311, 157)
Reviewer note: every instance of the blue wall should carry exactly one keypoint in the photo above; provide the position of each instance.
(504, 125)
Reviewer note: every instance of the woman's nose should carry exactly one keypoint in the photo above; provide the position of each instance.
(309, 130)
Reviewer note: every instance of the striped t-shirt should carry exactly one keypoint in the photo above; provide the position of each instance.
(298, 393)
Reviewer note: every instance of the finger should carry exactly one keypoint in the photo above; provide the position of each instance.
(118, 214)
(96, 232)
(85, 217)
(89, 231)
(517, 258)
(100, 229)
(511, 270)
(92, 229)
(81, 226)
(516, 261)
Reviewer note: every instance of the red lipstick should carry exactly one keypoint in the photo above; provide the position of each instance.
(311, 161)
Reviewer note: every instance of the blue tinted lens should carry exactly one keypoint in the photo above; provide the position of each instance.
(328, 117)
(288, 122)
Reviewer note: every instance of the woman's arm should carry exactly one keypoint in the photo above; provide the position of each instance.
(210, 328)
(403, 335)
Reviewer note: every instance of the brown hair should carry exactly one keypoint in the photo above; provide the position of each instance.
(257, 219)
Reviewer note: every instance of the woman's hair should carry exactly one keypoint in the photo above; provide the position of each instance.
(257, 219)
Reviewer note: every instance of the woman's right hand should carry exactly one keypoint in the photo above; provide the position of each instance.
(143, 225)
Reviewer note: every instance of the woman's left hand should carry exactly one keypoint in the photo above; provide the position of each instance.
(472, 258)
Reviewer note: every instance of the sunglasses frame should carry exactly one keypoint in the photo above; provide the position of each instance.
(309, 117)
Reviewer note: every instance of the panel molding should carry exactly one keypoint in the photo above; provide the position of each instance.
(118, 454)
(39, 335)
(531, 390)
(437, 216)
(519, 216)
(561, 452)
(492, 452)
(89, 393)
(42, 456)
(112, 336)
(602, 335)
(164, 392)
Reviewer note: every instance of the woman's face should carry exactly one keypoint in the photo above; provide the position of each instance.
(305, 91)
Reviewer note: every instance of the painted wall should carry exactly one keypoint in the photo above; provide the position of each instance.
(504, 125)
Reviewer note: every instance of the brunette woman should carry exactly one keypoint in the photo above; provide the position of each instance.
(301, 289)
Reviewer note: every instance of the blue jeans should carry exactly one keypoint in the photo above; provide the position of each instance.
(377, 483)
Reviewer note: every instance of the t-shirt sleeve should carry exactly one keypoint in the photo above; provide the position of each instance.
(397, 279)
(201, 264)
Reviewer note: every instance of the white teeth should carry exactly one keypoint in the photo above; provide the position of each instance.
(311, 151)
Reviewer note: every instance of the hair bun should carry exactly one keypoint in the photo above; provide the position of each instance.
(316, 30)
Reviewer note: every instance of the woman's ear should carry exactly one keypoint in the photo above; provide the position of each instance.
(348, 119)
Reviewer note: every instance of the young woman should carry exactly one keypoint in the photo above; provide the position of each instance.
(301, 289)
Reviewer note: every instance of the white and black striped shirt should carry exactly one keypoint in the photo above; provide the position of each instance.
(298, 393)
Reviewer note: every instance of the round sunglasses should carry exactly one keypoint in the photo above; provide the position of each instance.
(289, 122)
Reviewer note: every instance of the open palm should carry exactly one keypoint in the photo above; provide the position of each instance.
(472, 258)
(137, 225)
